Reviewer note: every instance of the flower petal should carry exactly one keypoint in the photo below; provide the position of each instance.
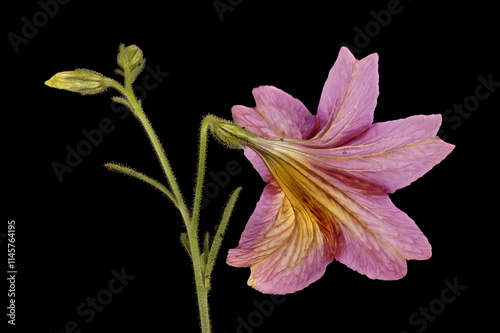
(284, 247)
(378, 238)
(276, 115)
(348, 99)
(260, 223)
(258, 164)
(392, 154)
(371, 235)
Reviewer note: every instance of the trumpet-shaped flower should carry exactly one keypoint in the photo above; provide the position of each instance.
(328, 177)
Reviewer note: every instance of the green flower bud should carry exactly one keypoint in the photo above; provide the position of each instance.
(130, 57)
(83, 81)
(231, 134)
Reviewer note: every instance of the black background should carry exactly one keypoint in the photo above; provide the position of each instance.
(70, 235)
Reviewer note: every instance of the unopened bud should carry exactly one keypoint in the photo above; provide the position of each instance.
(230, 134)
(83, 81)
(130, 57)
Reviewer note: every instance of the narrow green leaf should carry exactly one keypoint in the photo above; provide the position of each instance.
(138, 175)
(122, 100)
(219, 235)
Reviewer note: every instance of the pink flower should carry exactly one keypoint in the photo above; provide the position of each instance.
(328, 178)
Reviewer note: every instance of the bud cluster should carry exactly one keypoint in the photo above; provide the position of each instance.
(88, 82)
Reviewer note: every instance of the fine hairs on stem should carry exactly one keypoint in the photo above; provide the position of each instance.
(131, 62)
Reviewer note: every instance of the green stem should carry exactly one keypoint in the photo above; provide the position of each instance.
(191, 226)
(138, 112)
(198, 266)
(201, 290)
(202, 155)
